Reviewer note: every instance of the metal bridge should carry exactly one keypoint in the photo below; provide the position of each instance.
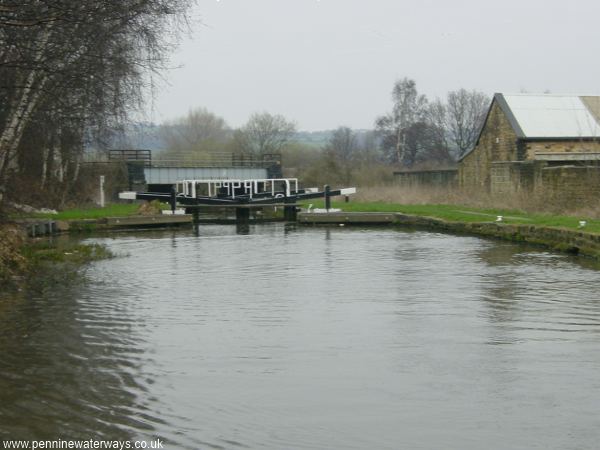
(241, 194)
(171, 175)
(144, 170)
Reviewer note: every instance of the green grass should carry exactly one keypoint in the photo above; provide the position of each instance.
(453, 213)
(457, 213)
(111, 210)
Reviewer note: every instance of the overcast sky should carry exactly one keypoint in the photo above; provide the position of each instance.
(325, 63)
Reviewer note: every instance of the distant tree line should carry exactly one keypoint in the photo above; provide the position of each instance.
(416, 133)
(70, 70)
(418, 130)
(202, 134)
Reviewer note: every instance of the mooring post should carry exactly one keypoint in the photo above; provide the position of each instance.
(327, 198)
(102, 203)
(173, 199)
(242, 215)
(195, 220)
(290, 213)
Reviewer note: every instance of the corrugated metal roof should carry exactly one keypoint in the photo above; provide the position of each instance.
(553, 116)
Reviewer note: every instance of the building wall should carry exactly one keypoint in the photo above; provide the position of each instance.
(512, 176)
(561, 147)
(427, 178)
(498, 142)
(569, 185)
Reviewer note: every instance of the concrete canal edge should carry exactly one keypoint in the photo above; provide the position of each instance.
(559, 239)
(128, 222)
(40, 227)
(350, 218)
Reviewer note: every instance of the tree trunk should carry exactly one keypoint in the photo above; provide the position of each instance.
(45, 156)
(25, 103)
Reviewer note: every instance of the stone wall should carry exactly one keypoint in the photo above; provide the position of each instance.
(562, 186)
(569, 185)
(561, 147)
(512, 176)
(498, 142)
(427, 178)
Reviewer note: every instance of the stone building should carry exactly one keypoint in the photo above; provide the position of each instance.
(537, 143)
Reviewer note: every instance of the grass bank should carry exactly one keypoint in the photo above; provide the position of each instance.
(110, 210)
(558, 232)
(469, 214)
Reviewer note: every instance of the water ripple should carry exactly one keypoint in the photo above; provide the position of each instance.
(309, 338)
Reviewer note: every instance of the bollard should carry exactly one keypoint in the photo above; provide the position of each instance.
(173, 199)
(290, 213)
(195, 219)
(102, 203)
(327, 198)
(242, 215)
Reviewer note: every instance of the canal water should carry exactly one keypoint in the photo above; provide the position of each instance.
(308, 338)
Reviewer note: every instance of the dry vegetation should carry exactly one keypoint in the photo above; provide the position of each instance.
(12, 262)
(525, 202)
(22, 258)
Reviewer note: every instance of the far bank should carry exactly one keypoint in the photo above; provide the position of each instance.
(575, 235)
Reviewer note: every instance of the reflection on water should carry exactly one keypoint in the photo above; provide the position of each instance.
(70, 366)
(276, 337)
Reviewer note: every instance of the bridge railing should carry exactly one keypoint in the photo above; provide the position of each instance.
(143, 157)
(139, 160)
(220, 160)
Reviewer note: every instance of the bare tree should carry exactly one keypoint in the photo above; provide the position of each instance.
(437, 116)
(198, 134)
(368, 148)
(264, 133)
(340, 153)
(465, 111)
(343, 144)
(426, 145)
(77, 65)
(409, 108)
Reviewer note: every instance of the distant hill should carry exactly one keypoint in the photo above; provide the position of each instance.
(146, 135)
(141, 135)
(321, 138)
(313, 138)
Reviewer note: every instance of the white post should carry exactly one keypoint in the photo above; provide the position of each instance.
(102, 191)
